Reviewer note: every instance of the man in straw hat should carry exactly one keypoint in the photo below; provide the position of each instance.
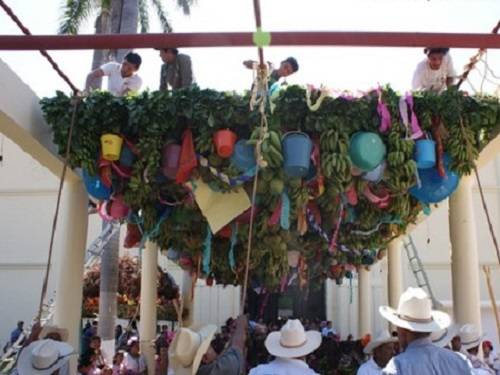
(471, 339)
(415, 321)
(192, 353)
(44, 357)
(382, 350)
(289, 346)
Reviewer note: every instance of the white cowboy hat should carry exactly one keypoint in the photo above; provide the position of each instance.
(443, 337)
(415, 313)
(470, 336)
(188, 347)
(43, 357)
(383, 337)
(292, 341)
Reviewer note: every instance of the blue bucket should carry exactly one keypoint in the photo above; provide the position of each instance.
(435, 188)
(425, 153)
(376, 175)
(95, 187)
(127, 157)
(243, 157)
(297, 148)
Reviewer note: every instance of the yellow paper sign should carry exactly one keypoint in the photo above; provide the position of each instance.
(219, 208)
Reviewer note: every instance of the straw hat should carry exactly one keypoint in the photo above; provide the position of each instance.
(470, 336)
(383, 337)
(188, 347)
(43, 357)
(48, 329)
(444, 337)
(292, 341)
(415, 313)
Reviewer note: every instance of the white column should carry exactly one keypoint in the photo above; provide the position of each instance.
(464, 256)
(149, 274)
(364, 302)
(69, 287)
(394, 272)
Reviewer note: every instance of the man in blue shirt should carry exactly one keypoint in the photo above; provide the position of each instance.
(17, 332)
(415, 321)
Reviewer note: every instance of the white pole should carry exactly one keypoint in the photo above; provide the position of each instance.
(464, 256)
(394, 272)
(149, 274)
(364, 302)
(69, 287)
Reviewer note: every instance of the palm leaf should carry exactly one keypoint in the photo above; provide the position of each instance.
(143, 16)
(185, 5)
(162, 16)
(74, 13)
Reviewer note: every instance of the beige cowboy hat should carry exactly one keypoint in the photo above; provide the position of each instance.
(43, 357)
(292, 341)
(470, 336)
(415, 313)
(49, 330)
(188, 347)
(383, 337)
(443, 337)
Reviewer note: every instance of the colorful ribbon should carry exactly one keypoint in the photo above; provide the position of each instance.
(415, 127)
(285, 211)
(207, 251)
(384, 220)
(315, 225)
(234, 240)
(383, 112)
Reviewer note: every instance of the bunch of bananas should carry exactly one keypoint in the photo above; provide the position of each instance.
(403, 168)
(271, 147)
(335, 162)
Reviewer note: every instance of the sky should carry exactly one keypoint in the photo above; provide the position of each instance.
(340, 68)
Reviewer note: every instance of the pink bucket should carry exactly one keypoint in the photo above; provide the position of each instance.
(170, 156)
(118, 209)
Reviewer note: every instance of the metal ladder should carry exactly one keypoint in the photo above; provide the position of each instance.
(419, 271)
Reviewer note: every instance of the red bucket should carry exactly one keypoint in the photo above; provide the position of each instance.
(170, 156)
(224, 143)
(118, 209)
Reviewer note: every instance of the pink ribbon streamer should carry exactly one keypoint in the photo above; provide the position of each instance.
(383, 112)
(415, 127)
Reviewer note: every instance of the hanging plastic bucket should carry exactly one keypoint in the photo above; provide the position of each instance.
(311, 173)
(366, 150)
(111, 145)
(118, 209)
(224, 142)
(425, 153)
(297, 148)
(170, 156)
(95, 187)
(244, 156)
(377, 174)
(127, 156)
(435, 188)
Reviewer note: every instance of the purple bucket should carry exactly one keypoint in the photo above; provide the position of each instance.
(170, 156)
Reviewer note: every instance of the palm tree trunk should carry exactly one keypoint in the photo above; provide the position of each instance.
(124, 20)
(102, 26)
(108, 287)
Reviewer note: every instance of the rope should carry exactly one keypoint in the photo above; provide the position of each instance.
(44, 53)
(76, 101)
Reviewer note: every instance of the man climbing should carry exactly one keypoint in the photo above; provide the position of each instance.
(287, 67)
(122, 78)
(434, 73)
(176, 71)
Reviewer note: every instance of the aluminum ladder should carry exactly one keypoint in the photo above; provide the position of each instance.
(418, 271)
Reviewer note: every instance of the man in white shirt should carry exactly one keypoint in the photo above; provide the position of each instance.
(290, 346)
(436, 72)
(122, 78)
(382, 350)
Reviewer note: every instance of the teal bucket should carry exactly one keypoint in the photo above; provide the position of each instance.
(366, 150)
(297, 148)
(425, 153)
(243, 157)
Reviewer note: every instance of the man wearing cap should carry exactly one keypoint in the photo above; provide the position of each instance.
(192, 352)
(471, 339)
(382, 350)
(415, 321)
(290, 347)
(176, 71)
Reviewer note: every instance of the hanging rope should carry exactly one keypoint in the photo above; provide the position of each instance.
(44, 53)
(75, 102)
